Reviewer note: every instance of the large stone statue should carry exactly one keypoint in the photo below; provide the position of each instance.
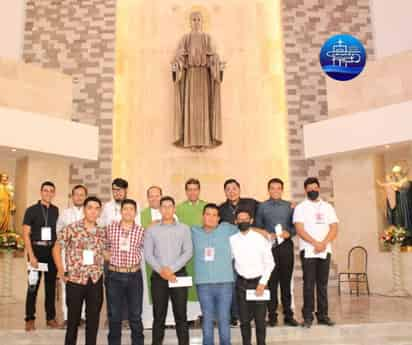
(7, 207)
(197, 74)
(398, 190)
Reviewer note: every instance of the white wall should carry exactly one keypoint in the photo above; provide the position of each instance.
(391, 22)
(12, 17)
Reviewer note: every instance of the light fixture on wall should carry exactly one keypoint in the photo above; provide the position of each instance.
(13, 150)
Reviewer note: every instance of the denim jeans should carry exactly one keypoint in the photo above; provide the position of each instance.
(215, 301)
(125, 287)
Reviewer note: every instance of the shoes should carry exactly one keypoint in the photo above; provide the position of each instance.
(326, 321)
(30, 326)
(272, 322)
(291, 322)
(54, 324)
(233, 322)
(307, 324)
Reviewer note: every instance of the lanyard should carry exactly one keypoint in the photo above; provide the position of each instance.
(45, 214)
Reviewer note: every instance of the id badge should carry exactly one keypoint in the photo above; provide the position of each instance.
(209, 254)
(46, 233)
(88, 257)
(124, 244)
(320, 218)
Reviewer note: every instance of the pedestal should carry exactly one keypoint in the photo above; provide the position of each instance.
(397, 280)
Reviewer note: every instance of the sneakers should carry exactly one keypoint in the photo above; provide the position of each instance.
(29, 326)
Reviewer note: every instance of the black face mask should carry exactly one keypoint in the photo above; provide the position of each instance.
(313, 195)
(244, 226)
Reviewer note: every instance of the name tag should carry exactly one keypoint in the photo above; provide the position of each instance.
(46, 233)
(88, 257)
(320, 218)
(124, 243)
(209, 254)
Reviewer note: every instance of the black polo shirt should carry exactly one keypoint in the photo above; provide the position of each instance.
(227, 211)
(38, 216)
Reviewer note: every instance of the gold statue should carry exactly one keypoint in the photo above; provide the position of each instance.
(7, 206)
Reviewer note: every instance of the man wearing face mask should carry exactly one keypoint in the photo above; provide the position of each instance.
(317, 226)
(275, 215)
(254, 264)
(227, 213)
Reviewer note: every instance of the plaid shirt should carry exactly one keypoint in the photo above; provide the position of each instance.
(75, 239)
(122, 258)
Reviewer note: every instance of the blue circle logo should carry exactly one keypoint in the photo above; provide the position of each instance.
(342, 57)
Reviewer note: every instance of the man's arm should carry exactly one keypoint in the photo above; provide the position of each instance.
(300, 229)
(269, 265)
(149, 252)
(27, 244)
(187, 252)
(57, 257)
(332, 234)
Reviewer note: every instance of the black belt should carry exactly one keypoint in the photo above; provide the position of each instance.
(249, 279)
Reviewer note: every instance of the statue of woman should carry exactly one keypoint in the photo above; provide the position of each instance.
(7, 206)
(398, 190)
(197, 73)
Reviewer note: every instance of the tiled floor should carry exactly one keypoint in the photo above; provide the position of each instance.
(361, 320)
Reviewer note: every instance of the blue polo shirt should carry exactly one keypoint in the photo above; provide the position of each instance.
(220, 270)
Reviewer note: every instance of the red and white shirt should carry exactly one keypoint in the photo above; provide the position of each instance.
(124, 245)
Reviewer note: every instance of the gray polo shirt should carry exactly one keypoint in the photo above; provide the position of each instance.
(168, 245)
(273, 212)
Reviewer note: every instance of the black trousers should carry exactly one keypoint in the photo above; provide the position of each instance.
(282, 275)
(250, 310)
(43, 255)
(160, 296)
(315, 273)
(92, 295)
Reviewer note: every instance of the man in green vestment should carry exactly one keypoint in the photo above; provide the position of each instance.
(190, 212)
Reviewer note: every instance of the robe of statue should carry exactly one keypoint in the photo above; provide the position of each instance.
(197, 93)
(401, 214)
(6, 203)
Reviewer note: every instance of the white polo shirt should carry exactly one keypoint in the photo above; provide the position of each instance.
(316, 217)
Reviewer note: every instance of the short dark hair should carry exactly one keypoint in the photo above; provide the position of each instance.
(243, 210)
(167, 198)
(211, 206)
(92, 199)
(154, 187)
(121, 183)
(311, 180)
(80, 186)
(275, 180)
(192, 181)
(229, 181)
(47, 184)
(129, 202)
